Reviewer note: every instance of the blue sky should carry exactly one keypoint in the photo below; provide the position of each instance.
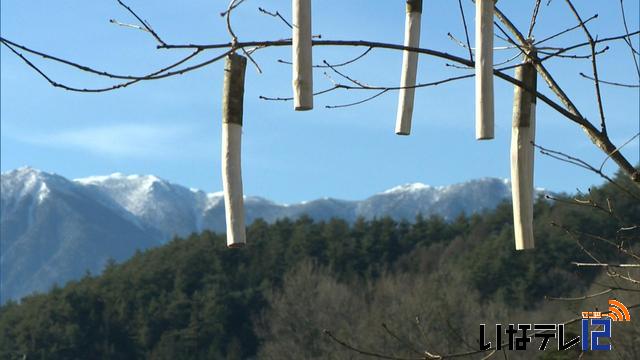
(171, 128)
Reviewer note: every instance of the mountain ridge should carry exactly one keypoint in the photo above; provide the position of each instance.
(54, 229)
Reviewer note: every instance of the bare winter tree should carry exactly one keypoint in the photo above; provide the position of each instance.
(535, 54)
(537, 51)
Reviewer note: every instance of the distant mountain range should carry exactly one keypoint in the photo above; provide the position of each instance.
(53, 229)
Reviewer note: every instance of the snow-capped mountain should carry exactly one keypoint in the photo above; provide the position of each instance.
(167, 207)
(54, 229)
(406, 201)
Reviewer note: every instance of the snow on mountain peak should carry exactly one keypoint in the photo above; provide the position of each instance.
(117, 177)
(42, 192)
(26, 175)
(27, 181)
(409, 187)
(132, 192)
(213, 199)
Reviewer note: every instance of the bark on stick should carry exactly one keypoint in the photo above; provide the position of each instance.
(232, 108)
(522, 155)
(409, 67)
(484, 69)
(302, 58)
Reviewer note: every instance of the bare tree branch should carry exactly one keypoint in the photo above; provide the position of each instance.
(594, 65)
(579, 264)
(402, 341)
(583, 164)
(143, 23)
(277, 15)
(569, 110)
(159, 74)
(537, 43)
(598, 137)
(588, 56)
(358, 102)
(609, 82)
(351, 61)
(627, 40)
(365, 352)
(466, 29)
(534, 17)
(604, 292)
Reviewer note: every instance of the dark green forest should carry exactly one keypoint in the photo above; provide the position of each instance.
(430, 282)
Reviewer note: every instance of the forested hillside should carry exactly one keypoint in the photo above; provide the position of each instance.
(53, 229)
(195, 299)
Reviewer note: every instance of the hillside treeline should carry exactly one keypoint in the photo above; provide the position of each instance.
(430, 283)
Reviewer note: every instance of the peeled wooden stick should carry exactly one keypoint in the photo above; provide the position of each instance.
(409, 67)
(232, 105)
(484, 69)
(522, 153)
(302, 66)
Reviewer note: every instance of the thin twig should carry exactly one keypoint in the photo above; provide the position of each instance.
(609, 82)
(341, 74)
(335, 87)
(143, 23)
(604, 292)
(137, 27)
(357, 102)
(609, 242)
(490, 354)
(73, 64)
(514, 57)
(462, 67)
(277, 15)
(234, 38)
(574, 56)
(534, 16)
(537, 43)
(351, 61)
(365, 352)
(627, 277)
(594, 66)
(628, 40)
(579, 264)
(159, 74)
(466, 30)
(583, 164)
(579, 45)
(403, 342)
(586, 203)
(618, 150)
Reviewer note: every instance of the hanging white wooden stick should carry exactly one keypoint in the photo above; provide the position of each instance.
(522, 154)
(302, 59)
(409, 67)
(232, 108)
(484, 69)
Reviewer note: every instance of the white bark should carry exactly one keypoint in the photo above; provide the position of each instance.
(302, 58)
(484, 69)
(409, 72)
(232, 113)
(232, 184)
(522, 157)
